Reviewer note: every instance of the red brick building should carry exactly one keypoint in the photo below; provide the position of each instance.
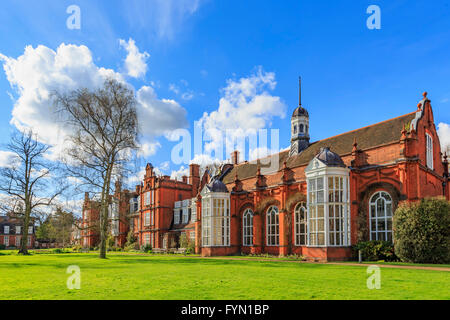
(118, 215)
(326, 195)
(11, 232)
(153, 220)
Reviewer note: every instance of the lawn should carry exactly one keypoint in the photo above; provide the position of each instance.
(43, 276)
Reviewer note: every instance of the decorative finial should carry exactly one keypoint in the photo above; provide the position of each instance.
(425, 94)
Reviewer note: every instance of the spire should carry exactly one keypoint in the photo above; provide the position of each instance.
(299, 91)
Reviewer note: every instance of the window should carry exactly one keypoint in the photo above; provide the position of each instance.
(18, 229)
(300, 225)
(295, 129)
(216, 221)
(30, 230)
(316, 219)
(176, 216)
(336, 211)
(381, 216)
(328, 211)
(206, 222)
(152, 218)
(139, 203)
(192, 237)
(6, 230)
(6, 240)
(147, 219)
(247, 228)
(185, 215)
(147, 238)
(272, 226)
(147, 198)
(17, 241)
(301, 128)
(29, 241)
(429, 151)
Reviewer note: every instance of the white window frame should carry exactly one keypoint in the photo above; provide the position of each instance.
(28, 241)
(176, 219)
(299, 222)
(30, 230)
(374, 219)
(429, 151)
(147, 238)
(185, 215)
(247, 228)
(216, 219)
(320, 206)
(6, 230)
(6, 241)
(18, 229)
(147, 219)
(272, 226)
(17, 241)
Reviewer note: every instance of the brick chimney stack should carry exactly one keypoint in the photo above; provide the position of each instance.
(194, 178)
(235, 157)
(185, 179)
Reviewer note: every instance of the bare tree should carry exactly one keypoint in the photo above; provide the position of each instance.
(104, 131)
(27, 181)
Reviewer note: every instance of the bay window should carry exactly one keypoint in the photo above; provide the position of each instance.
(328, 213)
(215, 219)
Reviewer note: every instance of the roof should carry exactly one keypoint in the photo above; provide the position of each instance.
(300, 112)
(217, 186)
(367, 137)
(330, 158)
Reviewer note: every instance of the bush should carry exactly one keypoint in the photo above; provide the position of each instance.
(422, 231)
(2, 247)
(375, 250)
(146, 248)
(77, 248)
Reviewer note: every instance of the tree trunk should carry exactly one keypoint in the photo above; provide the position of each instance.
(104, 215)
(26, 221)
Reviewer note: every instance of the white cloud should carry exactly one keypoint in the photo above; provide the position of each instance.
(148, 149)
(40, 71)
(158, 117)
(8, 159)
(135, 62)
(178, 175)
(246, 106)
(444, 137)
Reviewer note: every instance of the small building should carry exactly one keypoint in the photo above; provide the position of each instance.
(11, 230)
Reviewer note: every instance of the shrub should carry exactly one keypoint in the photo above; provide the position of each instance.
(146, 248)
(76, 248)
(422, 231)
(2, 247)
(375, 250)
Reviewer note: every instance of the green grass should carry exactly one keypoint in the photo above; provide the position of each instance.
(43, 276)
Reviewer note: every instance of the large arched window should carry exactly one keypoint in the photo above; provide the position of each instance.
(272, 226)
(247, 228)
(300, 224)
(381, 216)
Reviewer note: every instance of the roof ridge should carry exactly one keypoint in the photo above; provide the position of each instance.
(371, 125)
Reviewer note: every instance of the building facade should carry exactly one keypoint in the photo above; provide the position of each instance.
(315, 199)
(326, 195)
(11, 230)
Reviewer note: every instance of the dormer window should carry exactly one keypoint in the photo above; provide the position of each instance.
(429, 151)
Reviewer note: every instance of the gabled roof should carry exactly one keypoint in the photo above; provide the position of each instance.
(367, 137)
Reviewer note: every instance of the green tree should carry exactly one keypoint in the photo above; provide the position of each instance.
(422, 231)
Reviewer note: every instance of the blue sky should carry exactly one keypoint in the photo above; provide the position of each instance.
(352, 76)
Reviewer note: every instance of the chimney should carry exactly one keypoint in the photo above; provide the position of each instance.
(148, 171)
(185, 179)
(235, 157)
(194, 178)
